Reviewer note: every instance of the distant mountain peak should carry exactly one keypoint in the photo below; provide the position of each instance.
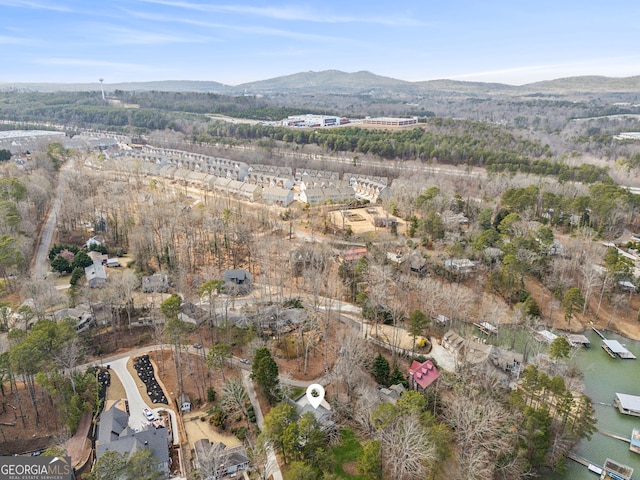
(362, 82)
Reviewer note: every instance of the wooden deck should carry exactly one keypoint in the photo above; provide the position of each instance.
(613, 435)
(593, 467)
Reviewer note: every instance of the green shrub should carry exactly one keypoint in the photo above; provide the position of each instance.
(211, 394)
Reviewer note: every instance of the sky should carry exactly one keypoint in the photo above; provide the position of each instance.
(238, 41)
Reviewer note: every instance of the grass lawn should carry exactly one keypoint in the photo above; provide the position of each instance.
(347, 454)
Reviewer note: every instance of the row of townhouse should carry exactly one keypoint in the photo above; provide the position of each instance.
(368, 188)
(240, 179)
(327, 194)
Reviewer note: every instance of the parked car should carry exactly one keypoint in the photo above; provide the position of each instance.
(197, 345)
(149, 414)
(244, 360)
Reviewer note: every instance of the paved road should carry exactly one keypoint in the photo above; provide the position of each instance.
(41, 259)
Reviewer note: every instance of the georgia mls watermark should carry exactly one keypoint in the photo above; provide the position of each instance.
(35, 468)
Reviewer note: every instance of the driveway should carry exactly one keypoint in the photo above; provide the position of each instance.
(272, 468)
(136, 403)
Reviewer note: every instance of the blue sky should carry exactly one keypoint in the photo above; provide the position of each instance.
(241, 41)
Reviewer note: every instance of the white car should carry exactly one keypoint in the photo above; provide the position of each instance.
(149, 414)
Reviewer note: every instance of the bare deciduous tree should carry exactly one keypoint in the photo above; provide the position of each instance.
(407, 452)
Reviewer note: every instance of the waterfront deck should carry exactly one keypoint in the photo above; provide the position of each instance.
(486, 328)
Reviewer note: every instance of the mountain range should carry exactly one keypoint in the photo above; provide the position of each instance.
(358, 83)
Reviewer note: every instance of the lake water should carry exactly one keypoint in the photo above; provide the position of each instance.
(603, 377)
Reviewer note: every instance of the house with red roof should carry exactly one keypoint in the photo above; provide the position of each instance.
(421, 375)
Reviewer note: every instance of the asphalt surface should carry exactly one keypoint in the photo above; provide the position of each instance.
(41, 259)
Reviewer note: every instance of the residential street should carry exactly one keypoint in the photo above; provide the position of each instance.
(41, 260)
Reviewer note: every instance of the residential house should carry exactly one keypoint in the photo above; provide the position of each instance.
(96, 275)
(98, 257)
(94, 241)
(277, 196)
(507, 360)
(250, 192)
(312, 195)
(464, 350)
(184, 402)
(421, 375)
(114, 434)
(322, 413)
(460, 265)
(414, 262)
(272, 320)
(82, 317)
(158, 283)
(475, 351)
(216, 461)
(391, 394)
(353, 254)
(237, 281)
(192, 313)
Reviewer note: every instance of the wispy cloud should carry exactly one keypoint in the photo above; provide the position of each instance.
(34, 5)
(250, 29)
(288, 53)
(84, 62)
(290, 13)
(124, 36)
(5, 40)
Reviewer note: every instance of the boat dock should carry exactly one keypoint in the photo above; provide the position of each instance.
(614, 348)
(628, 404)
(635, 441)
(598, 332)
(613, 435)
(597, 469)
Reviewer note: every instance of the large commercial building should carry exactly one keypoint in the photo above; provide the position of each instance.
(390, 122)
(311, 121)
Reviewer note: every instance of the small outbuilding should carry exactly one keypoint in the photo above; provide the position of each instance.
(184, 402)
